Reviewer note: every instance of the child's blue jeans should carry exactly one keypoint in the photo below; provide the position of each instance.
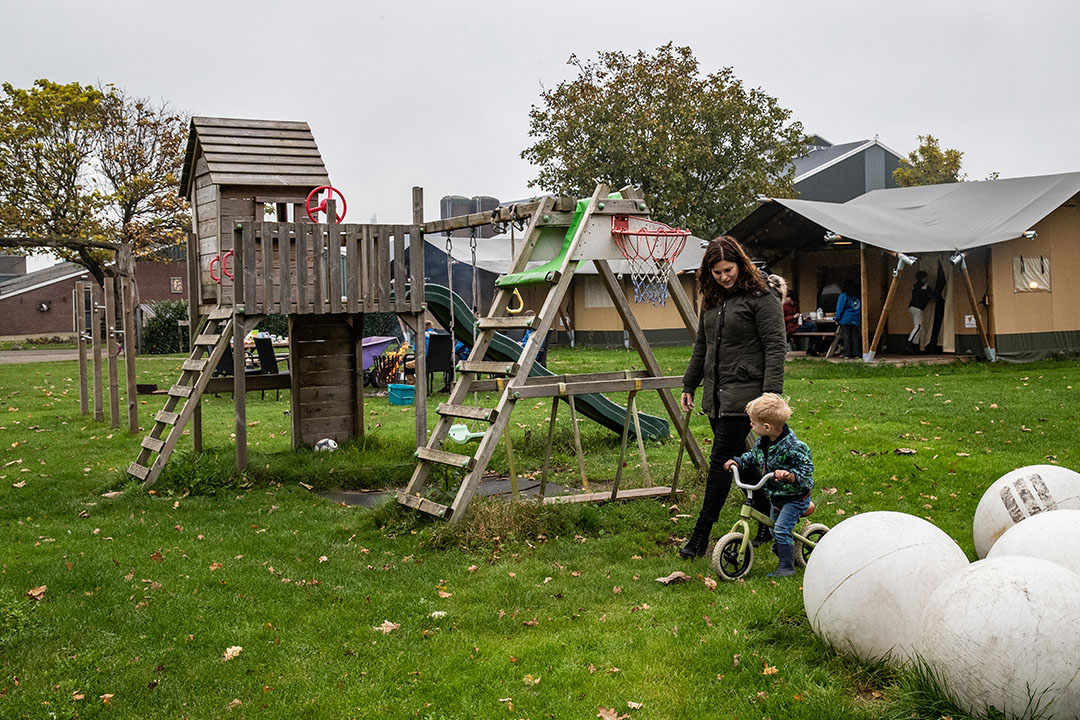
(784, 519)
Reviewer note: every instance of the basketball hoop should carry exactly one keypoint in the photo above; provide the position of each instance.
(650, 247)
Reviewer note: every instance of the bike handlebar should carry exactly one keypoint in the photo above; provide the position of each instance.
(764, 479)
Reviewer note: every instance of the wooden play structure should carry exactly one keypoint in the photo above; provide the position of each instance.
(323, 276)
(565, 240)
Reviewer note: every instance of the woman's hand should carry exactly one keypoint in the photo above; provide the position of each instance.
(687, 401)
(732, 463)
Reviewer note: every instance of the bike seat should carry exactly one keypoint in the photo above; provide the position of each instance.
(810, 510)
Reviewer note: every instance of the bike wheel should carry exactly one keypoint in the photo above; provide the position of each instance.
(813, 532)
(725, 558)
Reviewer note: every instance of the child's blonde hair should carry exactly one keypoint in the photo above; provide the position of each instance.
(769, 408)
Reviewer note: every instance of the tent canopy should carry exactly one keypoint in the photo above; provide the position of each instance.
(931, 218)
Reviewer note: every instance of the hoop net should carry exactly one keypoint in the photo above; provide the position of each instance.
(650, 247)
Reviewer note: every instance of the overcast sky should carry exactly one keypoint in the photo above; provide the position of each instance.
(437, 94)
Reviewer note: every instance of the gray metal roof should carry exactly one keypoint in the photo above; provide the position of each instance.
(810, 164)
(41, 278)
(271, 153)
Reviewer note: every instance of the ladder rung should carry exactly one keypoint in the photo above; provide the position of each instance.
(423, 504)
(181, 391)
(152, 443)
(194, 365)
(221, 313)
(467, 411)
(207, 339)
(510, 322)
(169, 418)
(486, 366)
(445, 458)
(138, 470)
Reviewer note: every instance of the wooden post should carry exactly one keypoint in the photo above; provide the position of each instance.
(641, 446)
(420, 361)
(110, 349)
(80, 332)
(988, 348)
(95, 335)
(547, 448)
(242, 242)
(682, 304)
(864, 320)
(127, 312)
(358, 372)
(194, 294)
(577, 445)
(901, 261)
(630, 410)
(678, 459)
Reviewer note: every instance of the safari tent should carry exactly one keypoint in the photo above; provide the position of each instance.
(999, 251)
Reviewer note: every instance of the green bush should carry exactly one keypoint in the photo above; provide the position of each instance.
(275, 325)
(383, 323)
(161, 334)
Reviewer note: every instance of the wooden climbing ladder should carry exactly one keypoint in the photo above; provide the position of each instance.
(591, 241)
(215, 333)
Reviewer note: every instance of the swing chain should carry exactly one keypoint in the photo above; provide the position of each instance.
(450, 287)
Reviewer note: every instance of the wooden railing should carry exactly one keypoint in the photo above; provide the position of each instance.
(314, 269)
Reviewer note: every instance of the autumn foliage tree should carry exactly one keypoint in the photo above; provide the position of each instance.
(701, 147)
(84, 163)
(928, 164)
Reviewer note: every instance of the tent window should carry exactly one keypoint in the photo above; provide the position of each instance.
(1031, 273)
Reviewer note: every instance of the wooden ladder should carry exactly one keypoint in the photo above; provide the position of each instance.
(511, 374)
(215, 332)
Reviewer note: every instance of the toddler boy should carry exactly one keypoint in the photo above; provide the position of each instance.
(778, 451)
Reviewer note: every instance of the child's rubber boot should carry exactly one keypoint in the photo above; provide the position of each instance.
(787, 561)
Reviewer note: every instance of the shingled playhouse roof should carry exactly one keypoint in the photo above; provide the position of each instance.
(271, 153)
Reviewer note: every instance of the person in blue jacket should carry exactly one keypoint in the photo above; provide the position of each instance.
(849, 318)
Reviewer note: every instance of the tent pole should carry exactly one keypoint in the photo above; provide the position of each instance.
(901, 261)
(864, 320)
(988, 349)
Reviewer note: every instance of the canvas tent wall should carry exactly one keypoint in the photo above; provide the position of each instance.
(989, 221)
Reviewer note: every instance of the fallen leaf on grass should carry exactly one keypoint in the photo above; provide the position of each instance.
(106, 698)
(769, 669)
(677, 576)
(232, 652)
(710, 584)
(905, 451)
(236, 702)
(215, 566)
(386, 627)
(444, 594)
(20, 484)
(530, 680)
(37, 593)
(634, 705)
(605, 713)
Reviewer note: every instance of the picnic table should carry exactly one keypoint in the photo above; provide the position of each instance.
(827, 328)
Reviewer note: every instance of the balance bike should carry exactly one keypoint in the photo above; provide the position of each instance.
(733, 555)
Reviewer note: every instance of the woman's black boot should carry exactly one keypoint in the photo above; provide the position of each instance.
(698, 543)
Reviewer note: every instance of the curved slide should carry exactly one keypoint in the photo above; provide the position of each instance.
(593, 406)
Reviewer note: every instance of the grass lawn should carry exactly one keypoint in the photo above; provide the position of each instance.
(251, 596)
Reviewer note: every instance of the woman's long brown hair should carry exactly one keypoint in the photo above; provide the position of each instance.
(727, 248)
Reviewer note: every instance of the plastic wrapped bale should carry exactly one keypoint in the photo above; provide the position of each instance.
(1053, 536)
(1002, 634)
(867, 582)
(1020, 494)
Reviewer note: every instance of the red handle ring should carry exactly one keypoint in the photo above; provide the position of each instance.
(321, 207)
(215, 278)
(225, 269)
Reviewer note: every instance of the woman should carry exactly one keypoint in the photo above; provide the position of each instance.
(738, 355)
(849, 319)
(920, 298)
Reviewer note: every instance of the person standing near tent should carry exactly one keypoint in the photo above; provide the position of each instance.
(849, 319)
(920, 298)
(738, 355)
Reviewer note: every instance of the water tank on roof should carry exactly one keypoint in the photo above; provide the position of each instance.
(452, 206)
(484, 204)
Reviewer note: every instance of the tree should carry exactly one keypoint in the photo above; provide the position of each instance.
(85, 163)
(929, 165)
(702, 148)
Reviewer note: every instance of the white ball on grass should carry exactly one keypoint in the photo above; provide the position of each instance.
(1020, 494)
(868, 579)
(1053, 536)
(1002, 633)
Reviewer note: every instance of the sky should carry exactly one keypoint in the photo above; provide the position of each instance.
(437, 94)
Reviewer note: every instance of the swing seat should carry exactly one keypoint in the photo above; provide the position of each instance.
(461, 435)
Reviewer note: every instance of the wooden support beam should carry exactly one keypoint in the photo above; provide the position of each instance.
(980, 326)
(864, 319)
(884, 313)
(503, 213)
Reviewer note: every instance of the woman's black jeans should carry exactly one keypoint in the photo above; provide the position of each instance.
(729, 440)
